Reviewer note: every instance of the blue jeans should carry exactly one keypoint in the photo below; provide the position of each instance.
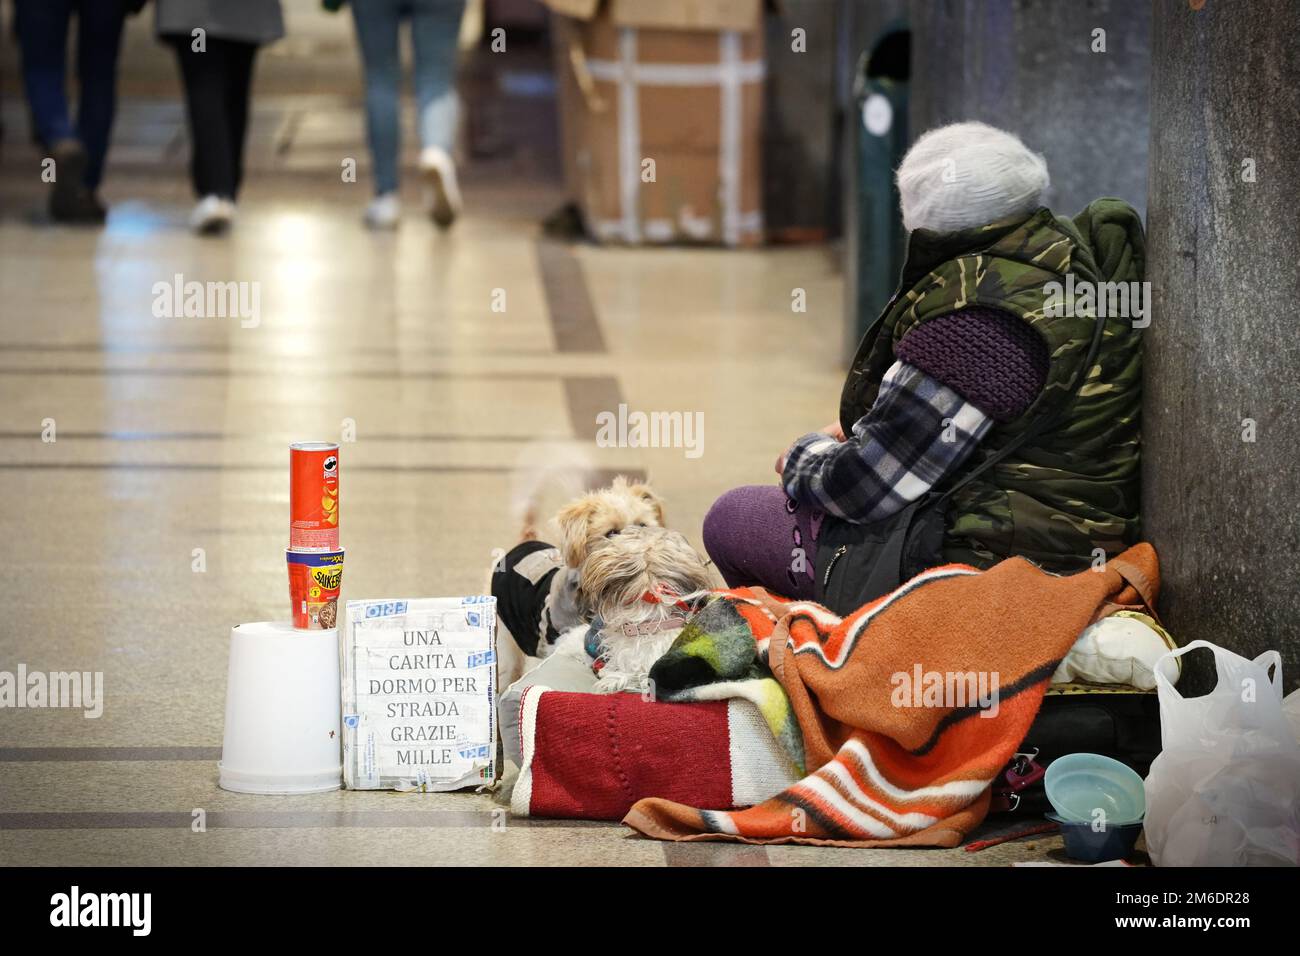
(42, 28)
(435, 26)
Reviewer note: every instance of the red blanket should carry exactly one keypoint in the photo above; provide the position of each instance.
(592, 756)
(911, 705)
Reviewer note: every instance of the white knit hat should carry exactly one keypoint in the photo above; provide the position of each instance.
(967, 175)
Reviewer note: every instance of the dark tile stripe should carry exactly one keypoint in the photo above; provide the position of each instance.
(19, 754)
(584, 398)
(280, 819)
(568, 302)
(594, 479)
(307, 372)
(34, 434)
(598, 478)
(201, 466)
(587, 396)
(224, 348)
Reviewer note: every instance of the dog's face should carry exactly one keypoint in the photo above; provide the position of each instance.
(619, 573)
(599, 515)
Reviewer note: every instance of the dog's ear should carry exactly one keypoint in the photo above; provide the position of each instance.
(642, 490)
(574, 521)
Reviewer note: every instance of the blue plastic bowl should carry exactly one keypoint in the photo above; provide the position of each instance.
(1080, 784)
(1083, 843)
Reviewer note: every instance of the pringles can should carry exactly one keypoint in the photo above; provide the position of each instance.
(314, 581)
(314, 496)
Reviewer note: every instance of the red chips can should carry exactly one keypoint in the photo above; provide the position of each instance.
(314, 496)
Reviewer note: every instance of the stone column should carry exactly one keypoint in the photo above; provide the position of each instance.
(1042, 69)
(1221, 429)
(798, 127)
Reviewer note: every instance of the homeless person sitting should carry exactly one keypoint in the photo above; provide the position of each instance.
(991, 410)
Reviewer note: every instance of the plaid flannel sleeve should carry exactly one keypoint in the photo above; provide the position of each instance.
(917, 432)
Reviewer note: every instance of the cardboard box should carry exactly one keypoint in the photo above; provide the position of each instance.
(418, 680)
(661, 107)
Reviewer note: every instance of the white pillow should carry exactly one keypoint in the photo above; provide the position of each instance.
(1120, 649)
(562, 670)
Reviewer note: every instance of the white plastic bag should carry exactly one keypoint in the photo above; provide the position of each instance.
(1225, 789)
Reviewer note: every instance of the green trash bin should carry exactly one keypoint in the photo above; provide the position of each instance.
(876, 241)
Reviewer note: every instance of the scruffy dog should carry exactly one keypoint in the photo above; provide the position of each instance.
(537, 585)
(639, 586)
(598, 515)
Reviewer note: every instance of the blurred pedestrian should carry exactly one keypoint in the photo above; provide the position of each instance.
(216, 42)
(77, 148)
(435, 29)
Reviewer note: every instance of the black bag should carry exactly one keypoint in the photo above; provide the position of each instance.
(858, 563)
(1123, 726)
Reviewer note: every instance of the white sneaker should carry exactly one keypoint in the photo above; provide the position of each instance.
(212, 215)
(439, 174)
(384, 212)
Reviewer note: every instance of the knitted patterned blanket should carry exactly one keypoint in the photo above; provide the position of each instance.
(907, 708)
(721, 654)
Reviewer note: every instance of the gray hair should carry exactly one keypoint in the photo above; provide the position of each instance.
(967, 175)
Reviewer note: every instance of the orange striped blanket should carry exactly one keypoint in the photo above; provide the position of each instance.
(910, 706)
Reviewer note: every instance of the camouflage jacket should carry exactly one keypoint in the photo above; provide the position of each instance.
(1074, 487)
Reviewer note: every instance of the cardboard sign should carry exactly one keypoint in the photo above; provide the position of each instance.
(418, 678)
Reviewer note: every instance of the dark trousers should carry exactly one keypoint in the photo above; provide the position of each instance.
(217, 83)
(42, 28)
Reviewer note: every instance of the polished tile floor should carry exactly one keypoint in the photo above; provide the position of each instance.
(129, 440)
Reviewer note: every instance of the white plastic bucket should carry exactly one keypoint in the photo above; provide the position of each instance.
(282, 711)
